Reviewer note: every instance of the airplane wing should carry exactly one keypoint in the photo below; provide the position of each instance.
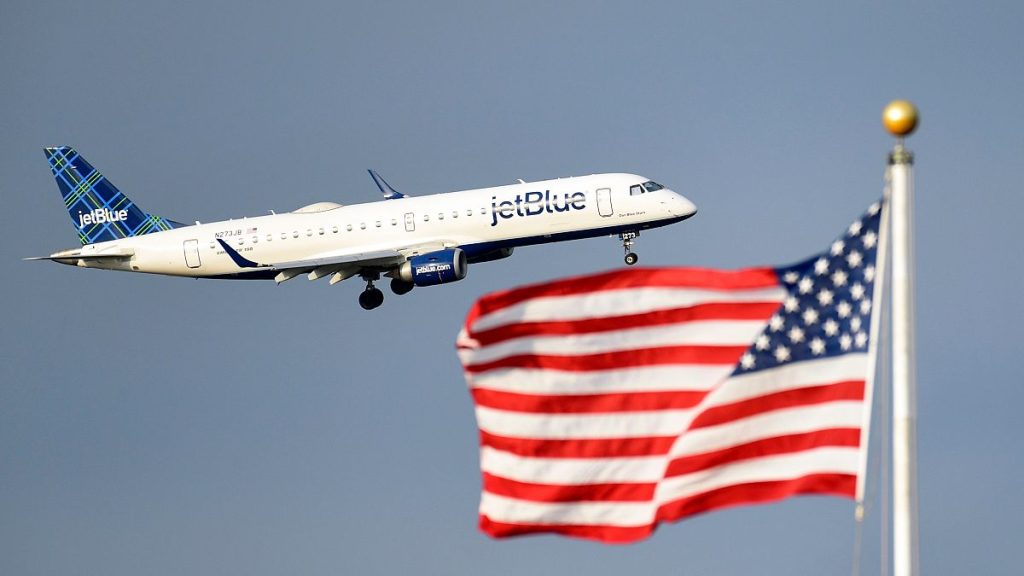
(338, 266)
(345, 266)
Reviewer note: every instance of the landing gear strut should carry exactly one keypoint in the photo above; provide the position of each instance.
(627, 245)
(371, 297)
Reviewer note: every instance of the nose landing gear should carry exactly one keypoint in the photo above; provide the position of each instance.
(627, 246)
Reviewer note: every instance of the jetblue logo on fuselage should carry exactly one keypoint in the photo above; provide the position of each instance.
(432, 268)
(101, 216)
(534, 203)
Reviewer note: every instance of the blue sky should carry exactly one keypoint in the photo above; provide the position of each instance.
(162, 425)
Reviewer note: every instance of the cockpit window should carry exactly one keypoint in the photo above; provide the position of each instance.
(635, 189)
(652, 186)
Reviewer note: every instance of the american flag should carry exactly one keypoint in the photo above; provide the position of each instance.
(610, 403)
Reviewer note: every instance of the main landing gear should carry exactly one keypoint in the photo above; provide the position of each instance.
(627, 246)
(399, 286)
(371, 297)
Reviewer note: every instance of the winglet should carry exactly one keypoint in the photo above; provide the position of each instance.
(385, 188)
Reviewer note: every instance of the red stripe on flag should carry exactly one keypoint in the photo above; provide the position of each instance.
(736, 495)
(607, 534)
(588, 448)
(758, 493)
(629, 278)
(851, 390)
(711, 311)
(611, 492)
(588, 403)
(617, 360)
(765, 447)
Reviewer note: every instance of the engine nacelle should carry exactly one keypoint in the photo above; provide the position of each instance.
(434, 268)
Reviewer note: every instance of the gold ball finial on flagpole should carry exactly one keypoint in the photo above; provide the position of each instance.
(900, 118)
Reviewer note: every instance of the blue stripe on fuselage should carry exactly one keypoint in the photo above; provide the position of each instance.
(480, 248)
(473, 250)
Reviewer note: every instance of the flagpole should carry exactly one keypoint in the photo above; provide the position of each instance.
(900, 118)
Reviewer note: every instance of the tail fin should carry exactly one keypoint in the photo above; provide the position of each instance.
(98, 209)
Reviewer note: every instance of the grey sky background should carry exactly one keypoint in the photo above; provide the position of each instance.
(155, 425)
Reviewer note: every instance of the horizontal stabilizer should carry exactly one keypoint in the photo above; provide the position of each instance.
(84, 254)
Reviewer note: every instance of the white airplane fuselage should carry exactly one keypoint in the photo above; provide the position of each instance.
(479, 222)
(416, 241)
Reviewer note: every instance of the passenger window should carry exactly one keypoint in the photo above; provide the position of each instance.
(426, 217)
(455, 213)
(309, 232)
(634, 190)
(334, 229)
(348, 227)
(270, 237)
(362, 225)
(241, 241)
(295, 234)
(255, 239)
(440, 216)
(321, 231)
(394, 222)
(469, 212)
(213, 245)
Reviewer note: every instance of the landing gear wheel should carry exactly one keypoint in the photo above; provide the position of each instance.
(627, 244)
(371, 298)
(401, 286)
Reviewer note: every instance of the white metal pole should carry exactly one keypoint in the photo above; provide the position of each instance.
(904, 380)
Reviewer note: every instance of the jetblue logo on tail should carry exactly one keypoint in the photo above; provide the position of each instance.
(101, 216)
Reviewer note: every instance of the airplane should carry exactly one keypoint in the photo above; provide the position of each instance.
(415, 241)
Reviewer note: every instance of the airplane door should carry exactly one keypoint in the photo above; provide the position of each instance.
(604, 202)
(192, 253)
(410, 222)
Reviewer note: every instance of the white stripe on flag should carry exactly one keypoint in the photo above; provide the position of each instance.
(607, 303)
(831, 415)
(703, 333)
(804, 374)
(572, 471)
(582, 471)
(692, 377)
(826, 460)
(511, 510)
(579, 426)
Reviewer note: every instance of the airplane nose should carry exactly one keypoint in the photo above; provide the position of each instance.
(681, 206)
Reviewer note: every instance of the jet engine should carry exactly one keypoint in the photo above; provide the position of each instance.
(434, 268)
